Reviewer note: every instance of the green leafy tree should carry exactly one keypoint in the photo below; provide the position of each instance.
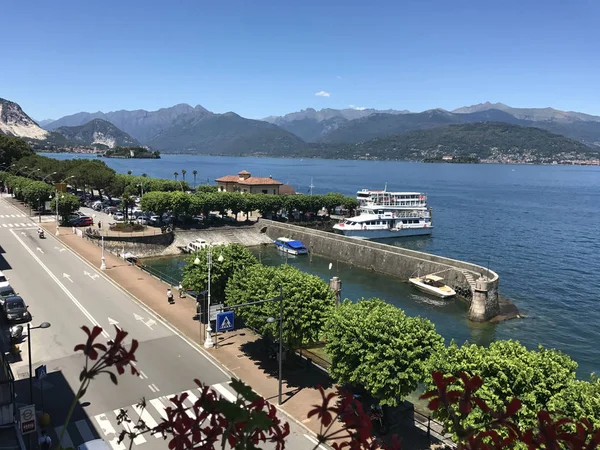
(307, 301)
(195, 276)
(180, 204)
(580, 399)
(12, 149)
(157, 202)
(207, 188)
(195, 173)
(37, 192)
(67, 205)
(374, 344)
(509, 370)
(183, 172)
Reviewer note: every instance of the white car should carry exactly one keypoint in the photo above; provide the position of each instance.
(3, 280)
(119, 217)
(96, 444)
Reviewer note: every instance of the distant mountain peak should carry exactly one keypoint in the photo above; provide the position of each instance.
(14, 122)
(98, 131)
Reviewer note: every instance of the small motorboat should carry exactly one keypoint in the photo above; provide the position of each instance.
(432, 284)
(290, 246)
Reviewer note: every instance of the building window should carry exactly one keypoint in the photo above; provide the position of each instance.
(264, 191)
(274, 191)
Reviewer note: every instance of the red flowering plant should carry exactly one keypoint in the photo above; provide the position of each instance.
(114, 356)
(455, 397)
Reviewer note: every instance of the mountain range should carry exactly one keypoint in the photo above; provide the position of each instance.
(326, 133)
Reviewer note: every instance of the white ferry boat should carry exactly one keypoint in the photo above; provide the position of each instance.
(290, 246)
(384, 214)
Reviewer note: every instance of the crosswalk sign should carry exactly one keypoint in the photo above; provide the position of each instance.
(225, 321)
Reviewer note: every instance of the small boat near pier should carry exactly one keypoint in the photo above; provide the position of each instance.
(290, 246)
(432, 284)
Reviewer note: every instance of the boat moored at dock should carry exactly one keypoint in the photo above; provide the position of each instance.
(432, 284)
(384, 214)
(290, 246)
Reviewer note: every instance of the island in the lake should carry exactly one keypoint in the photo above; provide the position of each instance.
(130, 152)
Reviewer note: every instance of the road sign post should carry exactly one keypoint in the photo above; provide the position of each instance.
(40, 374)
(27, 422)
(225, 321)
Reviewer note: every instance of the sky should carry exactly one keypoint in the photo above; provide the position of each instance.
(260, 58)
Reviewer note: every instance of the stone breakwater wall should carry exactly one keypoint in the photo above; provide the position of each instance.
(141, 246)
(479, 284)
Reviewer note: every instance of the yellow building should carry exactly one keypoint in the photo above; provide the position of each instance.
(245, 182)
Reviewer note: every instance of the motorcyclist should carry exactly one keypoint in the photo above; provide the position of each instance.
(40, 232)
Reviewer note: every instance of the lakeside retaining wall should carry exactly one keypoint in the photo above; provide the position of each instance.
(481, 282)
(140, 246)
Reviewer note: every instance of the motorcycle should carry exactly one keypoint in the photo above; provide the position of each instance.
(41, 234)
(16, 334)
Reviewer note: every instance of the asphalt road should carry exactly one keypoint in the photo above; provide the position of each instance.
(62, 289)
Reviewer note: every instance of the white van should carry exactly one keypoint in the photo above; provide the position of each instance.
(96, 444)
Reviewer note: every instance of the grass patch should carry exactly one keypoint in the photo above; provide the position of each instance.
(127, 227)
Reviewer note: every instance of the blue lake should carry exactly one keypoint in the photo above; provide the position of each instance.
(536, 226)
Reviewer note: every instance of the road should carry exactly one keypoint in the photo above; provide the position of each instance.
(62, 289)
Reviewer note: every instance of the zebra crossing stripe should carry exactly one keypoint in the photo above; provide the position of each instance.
(84, 431)
(10, 225)
(129, 427)
(107, 430)
(159, 406)
(4, 225)
(66, 441)
(147, 419)
(224, 392)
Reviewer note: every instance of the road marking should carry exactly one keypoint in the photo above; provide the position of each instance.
(150, 323)
(224, 392)
(112, 321)
(67, 276)
(40, 250)
(23, 233)
(4, 225)
(92, 276)
(108, 430)
(129, 427)
(66, 441)
(84, 431)
(60, 249)
(153, 387)
(159, 406)
(62, 286)
(12, 215)
(137, 316)
(147, 419)
(142, 375)
(10, 225)
(314, 441)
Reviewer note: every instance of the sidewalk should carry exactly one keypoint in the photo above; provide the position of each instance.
(241, 351)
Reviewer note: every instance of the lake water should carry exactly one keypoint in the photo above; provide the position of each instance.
(538, 227)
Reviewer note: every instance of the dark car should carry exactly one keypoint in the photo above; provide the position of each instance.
(16, 309)
(82, 222)
(6, 291)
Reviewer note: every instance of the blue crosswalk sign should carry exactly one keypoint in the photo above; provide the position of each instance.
(225, 321)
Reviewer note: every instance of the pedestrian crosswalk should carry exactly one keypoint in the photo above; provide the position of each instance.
(19, 225)
(106, 425)
(16, 221)
(11, 216)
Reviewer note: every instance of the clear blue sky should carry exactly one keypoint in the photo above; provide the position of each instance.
(260, 58)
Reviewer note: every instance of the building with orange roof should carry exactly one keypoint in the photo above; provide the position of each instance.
(245, 182)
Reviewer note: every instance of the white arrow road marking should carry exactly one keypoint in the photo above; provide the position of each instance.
(112, 321)
(92, 276)
(137, 316)
(62, 286)
(58, 248)
(67, 276)
(40, 250)
(150, 323)
(23, 233)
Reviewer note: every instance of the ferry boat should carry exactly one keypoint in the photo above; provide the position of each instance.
(384, 214)
(432, 284)
(195, 246)
(290, 246)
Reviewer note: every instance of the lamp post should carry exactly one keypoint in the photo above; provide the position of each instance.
(29, 173)
(208, 342)
(272, 320)
(49, 175)
(103, 263)
(29, 328)
(19, 169)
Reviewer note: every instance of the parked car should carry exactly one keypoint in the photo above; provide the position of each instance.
(3, 280)
(96, 444)
(84, 221)
(143, 220)
(16, 310)
(6, 291)
(119, 216)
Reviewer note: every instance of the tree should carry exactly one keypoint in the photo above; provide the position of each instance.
(235, 257)
(510, 370)
(157, 202)
(12, 149)
(183, 172)
(175, 174)
(580, 399)
(195, 172)
(37, 192)
(67, 205)
(129, 172)
(307, 301)
(374, 344)
(180, 204)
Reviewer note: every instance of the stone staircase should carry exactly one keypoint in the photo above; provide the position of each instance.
(470, 278)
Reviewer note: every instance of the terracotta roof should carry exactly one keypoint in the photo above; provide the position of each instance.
(255, 181)
(286, 189)
(244, 172)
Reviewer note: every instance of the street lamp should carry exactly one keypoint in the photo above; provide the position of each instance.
(29, 173)
(29, 328)
(49, 175)
(208, 342)
(103, 263)
(272, 320)
(19, 169)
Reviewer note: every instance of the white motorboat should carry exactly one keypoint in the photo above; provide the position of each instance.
(290, 246)
(432, 284)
